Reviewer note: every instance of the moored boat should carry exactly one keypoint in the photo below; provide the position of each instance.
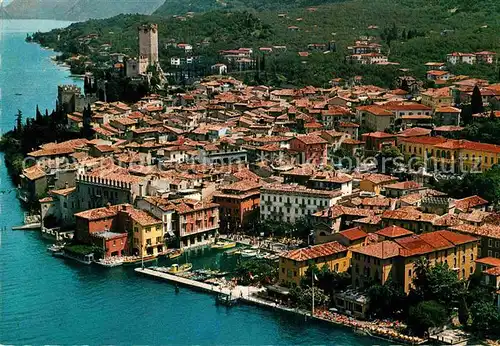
(110, 262)
(223, 245)
(135, 260)
(82, 258)
(55, 247)
(177, 269)
(175, 254)
(248, 253)
(231, 252)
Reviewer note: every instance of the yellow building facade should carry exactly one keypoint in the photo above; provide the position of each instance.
(396, 259)
(294, 264)
(459, 155)
(148, 236)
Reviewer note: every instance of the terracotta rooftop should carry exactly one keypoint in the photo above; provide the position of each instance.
(161, 203)
(336, 211)
(495, 271)
(414, 131)
(424, 140)
(467, 203)
(311, 139)
(316, 251)
(143, 218)
(242, 186)
(299, 190)
(379, 178)
(33, 172)
(378, 134)
(491, 261)
(354, 233)
(404, 185)
(383, 250)
(102, 213)
(394, 232)
(64, 192)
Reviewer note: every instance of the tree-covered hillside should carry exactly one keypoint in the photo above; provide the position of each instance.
(412, 33)
(78, 9)
(177, 7)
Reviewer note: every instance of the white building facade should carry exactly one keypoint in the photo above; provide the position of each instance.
(290, 202)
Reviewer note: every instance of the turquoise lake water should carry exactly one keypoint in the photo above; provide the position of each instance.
(45, 300)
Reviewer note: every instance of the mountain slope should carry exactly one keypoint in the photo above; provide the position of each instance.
(78, 9)
(172, 7)
(40, 9)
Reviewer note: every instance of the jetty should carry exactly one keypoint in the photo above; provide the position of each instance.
(237, 292)
(28, 227)
(249, 295)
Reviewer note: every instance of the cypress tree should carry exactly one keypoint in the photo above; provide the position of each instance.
(476, 101)
(19, 121)
(38, 117)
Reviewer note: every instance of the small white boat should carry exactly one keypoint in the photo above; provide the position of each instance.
(110, 262)
(248, 253)
(55, 247)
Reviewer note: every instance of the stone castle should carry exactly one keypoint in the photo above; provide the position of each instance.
(148, 51)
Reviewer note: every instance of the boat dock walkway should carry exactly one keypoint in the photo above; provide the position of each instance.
(245, 294)
(28, 227)
(248, 295)
(237, 292)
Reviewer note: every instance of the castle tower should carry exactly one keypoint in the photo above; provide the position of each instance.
(148, 46)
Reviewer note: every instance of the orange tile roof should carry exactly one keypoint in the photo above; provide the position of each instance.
(379, 178)
(448, 128)
(456, 238)
(402, 106)
(383, 250)
(465, 204)
(242, 186)
(495, 271)
(34, 172)
(299, 190)
(492, 261)
(404, 185)
(143, 218)
(378, 134)
(414, 131)
(316, 251)
(424, 140)
(311, 139)
(408, 214)
(375, 110)
(354, 233)
(102, 213)
(64, 192)
(394, 232)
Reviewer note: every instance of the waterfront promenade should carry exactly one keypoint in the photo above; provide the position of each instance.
(242, 292)
(249, 295)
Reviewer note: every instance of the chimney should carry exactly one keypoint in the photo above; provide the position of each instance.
(108, 205)
(66, 185)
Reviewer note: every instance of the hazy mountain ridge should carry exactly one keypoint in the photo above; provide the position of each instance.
(172, 7)
(76, 10)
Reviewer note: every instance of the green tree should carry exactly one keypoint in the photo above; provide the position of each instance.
(19, 121)
(438, 282)
(87, 130)
(425, 315)
(485, 319)
(476, 101)
(256, 272)
(302, 297)
(386, 300)
(38, 116)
